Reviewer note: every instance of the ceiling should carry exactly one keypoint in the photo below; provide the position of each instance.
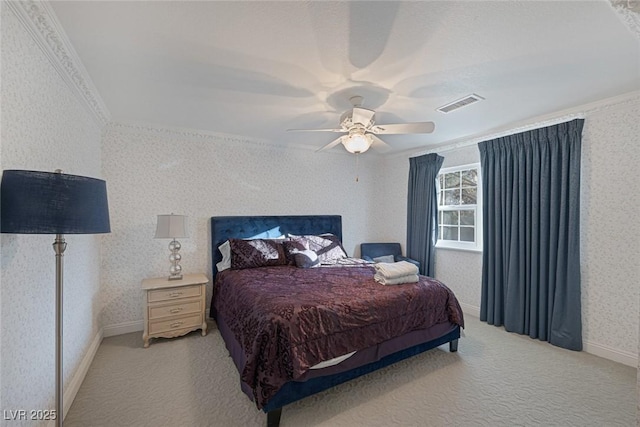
(255, 69)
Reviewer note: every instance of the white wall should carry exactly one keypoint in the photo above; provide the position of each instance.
(609, 237)
(154, 171)
(44, 127)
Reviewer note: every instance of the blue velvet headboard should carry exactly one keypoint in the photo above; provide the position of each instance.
(242, 227)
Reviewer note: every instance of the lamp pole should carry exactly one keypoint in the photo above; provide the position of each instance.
(59, 246)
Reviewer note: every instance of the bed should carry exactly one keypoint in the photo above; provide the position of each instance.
(293, 332)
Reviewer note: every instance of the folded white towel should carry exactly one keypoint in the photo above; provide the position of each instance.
(392, 270)
(410, 278)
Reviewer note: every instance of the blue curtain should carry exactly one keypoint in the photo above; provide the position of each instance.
(422, 210)
(531, 211)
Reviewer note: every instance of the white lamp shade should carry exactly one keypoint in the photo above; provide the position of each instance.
(356, 143)
(171, 226)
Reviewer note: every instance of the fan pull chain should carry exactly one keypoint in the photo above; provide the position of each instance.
(357, 157)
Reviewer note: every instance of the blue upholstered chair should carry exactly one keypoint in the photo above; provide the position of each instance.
(370, 251)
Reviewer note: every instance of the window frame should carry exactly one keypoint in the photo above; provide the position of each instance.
(475, 246)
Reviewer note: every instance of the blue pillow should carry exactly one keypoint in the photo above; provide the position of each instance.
(273, 233)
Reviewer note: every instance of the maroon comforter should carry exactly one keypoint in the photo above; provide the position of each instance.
(287, 319)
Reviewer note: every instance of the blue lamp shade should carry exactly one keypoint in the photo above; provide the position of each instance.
(33, 202)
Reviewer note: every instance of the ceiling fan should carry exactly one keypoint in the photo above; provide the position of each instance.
(361, 131)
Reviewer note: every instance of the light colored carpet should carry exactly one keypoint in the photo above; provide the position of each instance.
(495, 379)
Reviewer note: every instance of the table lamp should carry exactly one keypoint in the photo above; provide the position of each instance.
(172, 227)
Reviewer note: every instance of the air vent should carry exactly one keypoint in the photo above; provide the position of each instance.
(467, 100)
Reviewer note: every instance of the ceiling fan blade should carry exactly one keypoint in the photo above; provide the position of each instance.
(330, 145)
(379, 145)
(418, 127)
(316, 130)
(362, 116)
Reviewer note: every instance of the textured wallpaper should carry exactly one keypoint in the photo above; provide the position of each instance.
(152, 171)
(610, 247)
(44, 127)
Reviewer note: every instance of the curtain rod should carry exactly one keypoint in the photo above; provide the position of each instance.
(498, 134)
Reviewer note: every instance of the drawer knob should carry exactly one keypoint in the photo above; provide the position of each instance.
(176, 310)
(175, 294)
(176, 324)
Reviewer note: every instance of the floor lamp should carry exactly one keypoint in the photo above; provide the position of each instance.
(33, 202)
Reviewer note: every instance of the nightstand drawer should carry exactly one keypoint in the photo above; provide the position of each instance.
(175, 293)
(159, 326)
(175, 309)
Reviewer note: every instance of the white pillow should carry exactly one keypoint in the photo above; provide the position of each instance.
(225, 250)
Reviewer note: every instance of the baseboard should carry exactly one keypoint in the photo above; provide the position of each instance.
(71, 388)
(624, 357)
(619, 356)
(469, 309)
(128, 327)
(123, 328)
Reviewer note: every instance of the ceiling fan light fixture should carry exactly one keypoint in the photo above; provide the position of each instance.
(356, 142)
(361, 130)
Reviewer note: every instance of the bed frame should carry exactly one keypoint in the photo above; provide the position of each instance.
(226, 227)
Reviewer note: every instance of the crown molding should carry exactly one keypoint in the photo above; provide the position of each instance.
(43, 26)
(179, 133)
(629, 12)
(582, 111)
(186, 134)
(155, 130)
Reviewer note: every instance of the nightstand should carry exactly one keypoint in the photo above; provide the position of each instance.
(174, 307)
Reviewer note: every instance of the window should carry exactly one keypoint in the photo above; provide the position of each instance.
(460, 208)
